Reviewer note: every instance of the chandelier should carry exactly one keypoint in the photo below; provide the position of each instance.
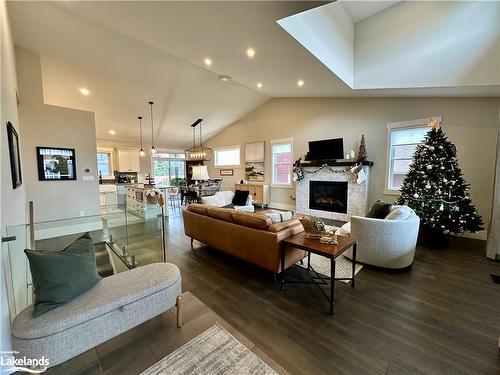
(198, 153)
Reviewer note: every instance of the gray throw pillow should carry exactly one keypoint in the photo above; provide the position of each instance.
(274, 216)
(286, 215)
(60, 276)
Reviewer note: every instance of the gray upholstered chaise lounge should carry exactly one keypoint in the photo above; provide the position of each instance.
(114, 305)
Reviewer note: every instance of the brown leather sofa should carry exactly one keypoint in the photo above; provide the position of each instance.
(248, 236)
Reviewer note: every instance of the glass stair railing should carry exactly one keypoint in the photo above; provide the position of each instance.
(122, 239)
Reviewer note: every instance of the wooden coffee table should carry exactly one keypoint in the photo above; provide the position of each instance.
(300, 241)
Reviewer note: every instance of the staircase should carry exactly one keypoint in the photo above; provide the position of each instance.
(103, 262)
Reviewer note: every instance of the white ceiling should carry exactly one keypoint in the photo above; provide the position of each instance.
(129, 52)
(360, 10)
(403, 45)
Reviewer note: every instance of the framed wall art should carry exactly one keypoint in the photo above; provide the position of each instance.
(15, 160)
(56, 164)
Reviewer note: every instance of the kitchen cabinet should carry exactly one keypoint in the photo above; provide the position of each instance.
(128, 161)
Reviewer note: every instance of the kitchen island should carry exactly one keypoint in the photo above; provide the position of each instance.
(137, 202)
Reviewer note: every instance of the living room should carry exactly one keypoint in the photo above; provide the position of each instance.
(306, 187)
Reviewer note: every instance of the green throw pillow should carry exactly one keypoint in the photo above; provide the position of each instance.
(60, 276)
(379, 210)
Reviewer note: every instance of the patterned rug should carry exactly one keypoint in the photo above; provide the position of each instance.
(343, 266)
(214, 351)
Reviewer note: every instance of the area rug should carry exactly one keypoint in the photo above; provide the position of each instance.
(214, 351)
(343, 266)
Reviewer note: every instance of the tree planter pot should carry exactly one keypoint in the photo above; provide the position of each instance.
(433, 238)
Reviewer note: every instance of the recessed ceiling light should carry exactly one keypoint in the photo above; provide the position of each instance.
(208, 61)
(250, 52)
(112, 132)
(224, 78)
(259, 85)
(300, 83)
(84, 91)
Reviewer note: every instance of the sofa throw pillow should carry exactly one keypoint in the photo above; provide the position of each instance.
(399, 213)
(344, 230)
(274, 216)
(286, 215)
(216, 200)
(60, 276)
(278, 217)
(379, 210)
(240, 197)
(230, 205)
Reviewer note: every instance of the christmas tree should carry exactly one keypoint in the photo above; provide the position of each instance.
(436, 189)
(362, 154)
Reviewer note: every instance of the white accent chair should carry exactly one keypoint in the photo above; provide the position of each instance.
(223, 198)
(386, 243)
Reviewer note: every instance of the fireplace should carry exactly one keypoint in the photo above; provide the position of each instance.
(328, 196)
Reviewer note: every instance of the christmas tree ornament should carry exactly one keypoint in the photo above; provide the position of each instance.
(434, 124)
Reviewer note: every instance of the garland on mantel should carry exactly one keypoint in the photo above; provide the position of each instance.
(299, 171)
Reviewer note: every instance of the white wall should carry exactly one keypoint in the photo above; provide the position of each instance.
(469, 122)
(328, 33)
(12, 201)
(45, 125)
(429, 44)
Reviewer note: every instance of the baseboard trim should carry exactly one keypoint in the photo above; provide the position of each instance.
(481, 235)
(282, 206)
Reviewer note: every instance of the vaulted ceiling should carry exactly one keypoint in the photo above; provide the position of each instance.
(126, 53)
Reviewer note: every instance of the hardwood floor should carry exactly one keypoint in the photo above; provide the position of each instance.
(441, 316)
(136, 350)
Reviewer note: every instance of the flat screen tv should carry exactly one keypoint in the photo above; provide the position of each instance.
(328, 149)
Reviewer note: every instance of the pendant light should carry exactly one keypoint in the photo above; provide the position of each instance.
(153, 150)
(198, 153)
(141, 151)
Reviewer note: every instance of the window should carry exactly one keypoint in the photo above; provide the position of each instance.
(168, 166)
(282, 154)
(227, 157)
(403, 138)
(104, 164)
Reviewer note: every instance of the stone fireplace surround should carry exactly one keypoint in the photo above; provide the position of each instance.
(357, 194)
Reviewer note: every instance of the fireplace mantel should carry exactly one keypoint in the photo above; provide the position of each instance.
(335, 163)
(357, 194)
